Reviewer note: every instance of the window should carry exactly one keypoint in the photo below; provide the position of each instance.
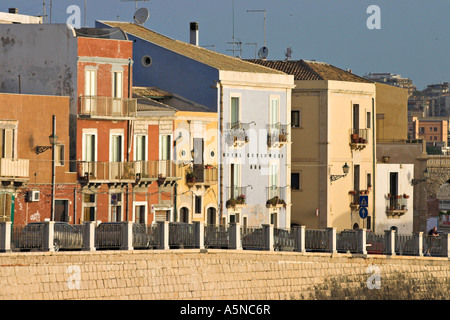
(273, 183)
(356, 118)
(295, 118)
(435, 129)
(198, 204)
(369, 181)
(59, 155)
(295, 181)
(184, 215)
(89, 206)
(274, 112)
(7, 143)
(6, 206)
(117, 93)
(116, 148)
(165, 147)
(116, 207)
(89, 149)
(368, 125)
(90, 91)
(235, 112)
(235, 175)
(140, 149)
(140, 213)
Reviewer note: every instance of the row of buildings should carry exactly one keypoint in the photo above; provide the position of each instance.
(150, 128)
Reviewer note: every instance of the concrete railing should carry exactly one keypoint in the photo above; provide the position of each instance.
(130, 236)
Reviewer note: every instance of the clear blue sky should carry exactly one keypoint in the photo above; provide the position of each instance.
(414, 39)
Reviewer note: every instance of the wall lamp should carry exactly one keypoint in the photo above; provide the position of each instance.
(345, 169)
(426, 175)
(53, 138)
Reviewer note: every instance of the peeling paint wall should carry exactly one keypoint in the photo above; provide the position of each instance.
(40, 59)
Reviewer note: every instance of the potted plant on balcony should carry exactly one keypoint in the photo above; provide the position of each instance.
(352, 192)
(405, 196)
(240, 199)
(190, 178)
(282, 137)
(208, 166)
(231, 203)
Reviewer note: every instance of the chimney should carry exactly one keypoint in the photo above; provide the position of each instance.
(13, 10)
(194, 33)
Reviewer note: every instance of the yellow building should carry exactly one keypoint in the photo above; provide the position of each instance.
(195, 137)
(332, 129)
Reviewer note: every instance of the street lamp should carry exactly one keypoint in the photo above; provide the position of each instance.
(345, 169)
(426, 175)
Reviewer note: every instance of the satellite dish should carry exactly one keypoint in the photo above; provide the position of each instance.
(141, 15)
(263, 53)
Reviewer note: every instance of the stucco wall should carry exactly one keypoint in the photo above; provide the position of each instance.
(219, 274)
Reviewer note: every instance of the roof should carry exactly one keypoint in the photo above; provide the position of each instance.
(101, 33)
(156, 99)
(211, 58)
(310, 70)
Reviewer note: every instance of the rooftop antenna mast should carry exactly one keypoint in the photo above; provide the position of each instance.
(135, 1)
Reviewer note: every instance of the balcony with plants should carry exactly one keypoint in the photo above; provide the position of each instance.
(201, 175)
(277, 135)
(276, 197)
(359, 138)
(237, 197)
(237, 135)
(396, 205)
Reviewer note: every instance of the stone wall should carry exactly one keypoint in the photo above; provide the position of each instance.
(220, 274)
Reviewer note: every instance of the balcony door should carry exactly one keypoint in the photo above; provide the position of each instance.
(274, 115)
(117, 93)
(198, 166)
(273, 180)
(165, 155)
(235, 113)
(356, 118)
(116, 166)
(89, 155)
(7, 143)
(235, 174)
(90, 91)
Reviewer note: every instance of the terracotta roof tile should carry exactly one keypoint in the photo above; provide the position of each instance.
(310, 70)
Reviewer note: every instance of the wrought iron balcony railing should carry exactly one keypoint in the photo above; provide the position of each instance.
(96, 106)
(359, 139)
(277, 135)
(276, 196)
(236, 196)
(396, 205)
(201, 174)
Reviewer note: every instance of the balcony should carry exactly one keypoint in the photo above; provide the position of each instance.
(359, 139)
(106, 172)
(355, 197)
(236, 134)
(14, 170)
(396, 205)
(201, 175)
(237, 197)
(276, 197)
(100, 107)
(277, 135)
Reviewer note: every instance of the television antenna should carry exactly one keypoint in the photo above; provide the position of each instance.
(136, 1)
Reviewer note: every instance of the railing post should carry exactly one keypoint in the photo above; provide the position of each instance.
(235, 236)
(419, 244)
(362, 246)
(332, 239)
(49, 236)
(5, 236)
(390, 242)
(300, 236)
(127, 234)
(164, 233)
(446, 245)
(268, 236)
(89, 235)
(199, 229)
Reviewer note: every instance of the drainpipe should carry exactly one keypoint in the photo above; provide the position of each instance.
(220, 152)
(129, 139)
(374, 161)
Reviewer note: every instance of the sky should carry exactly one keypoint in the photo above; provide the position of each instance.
(413, 38)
